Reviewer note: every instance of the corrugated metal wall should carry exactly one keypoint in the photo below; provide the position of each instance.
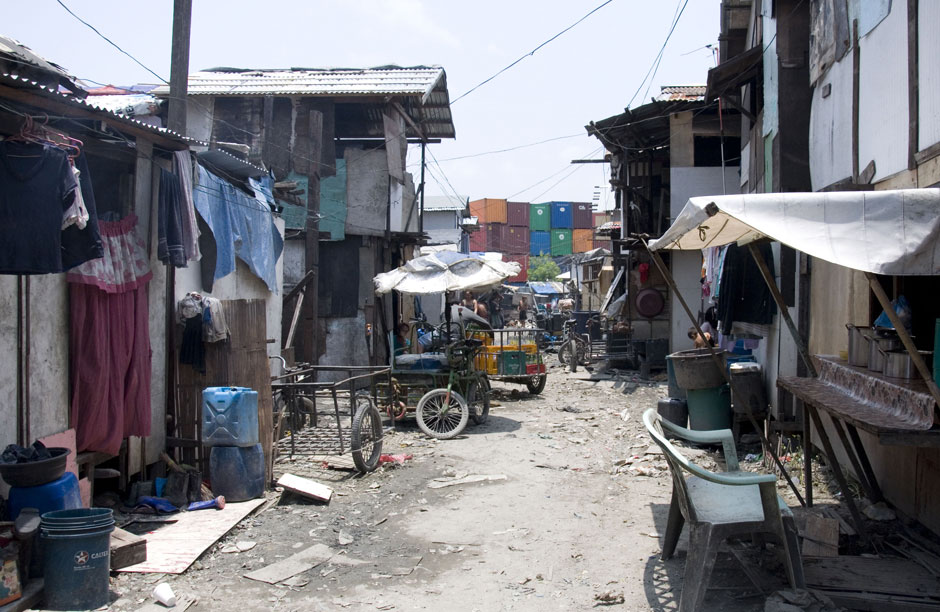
(561, 241)
(478, 239)
(582, 240)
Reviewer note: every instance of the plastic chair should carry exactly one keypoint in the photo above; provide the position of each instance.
(718, 506)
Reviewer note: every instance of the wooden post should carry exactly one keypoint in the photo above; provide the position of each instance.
(722, 367)
(903, 334)
(310, 329)
(782, 307)
(913, 84)
(179, 65)
(856, 86)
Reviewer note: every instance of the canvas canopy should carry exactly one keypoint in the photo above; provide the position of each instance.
(884, 232)
(445, 271)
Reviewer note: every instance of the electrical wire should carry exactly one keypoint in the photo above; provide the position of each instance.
(530, 53)
(111, 42)
(659, 55)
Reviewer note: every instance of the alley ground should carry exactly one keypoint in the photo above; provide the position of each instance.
(573, 517)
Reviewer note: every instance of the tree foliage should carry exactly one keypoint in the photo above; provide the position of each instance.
(542, 268)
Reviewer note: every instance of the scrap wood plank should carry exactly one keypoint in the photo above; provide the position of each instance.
(821, 537)
(127, 549)
(305, 487)
(300, 562)
(888, 576)
(878, 602)
(171, 549)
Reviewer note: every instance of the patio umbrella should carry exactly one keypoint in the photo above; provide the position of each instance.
(445, 271)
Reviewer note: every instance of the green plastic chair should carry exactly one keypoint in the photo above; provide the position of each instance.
(718, 506)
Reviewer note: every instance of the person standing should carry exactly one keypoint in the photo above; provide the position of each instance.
(523, 309)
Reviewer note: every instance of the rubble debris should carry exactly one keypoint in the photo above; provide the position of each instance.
(800, 600)
(609, 598)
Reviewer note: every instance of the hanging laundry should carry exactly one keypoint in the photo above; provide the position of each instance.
(189, 312)
(170, 221)
(109, 341)
(76, 214)
(37, 187)
(241, 226)
(742, 296)
(81, 245)
(214, 326)
(184, 168)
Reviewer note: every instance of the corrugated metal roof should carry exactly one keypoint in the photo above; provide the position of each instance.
(385, 80)
(432, 203)
(17, 82)
(422, 91)
(681, 93)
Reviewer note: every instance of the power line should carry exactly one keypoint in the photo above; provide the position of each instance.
(659, 55)
(523, 146)
(111, 42)
(530, 53)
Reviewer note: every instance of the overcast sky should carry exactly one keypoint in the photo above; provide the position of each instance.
(589, 73)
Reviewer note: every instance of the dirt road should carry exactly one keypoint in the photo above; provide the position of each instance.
(571, 514)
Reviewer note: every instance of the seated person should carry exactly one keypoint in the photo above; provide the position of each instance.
(400, 341)
(425, 342)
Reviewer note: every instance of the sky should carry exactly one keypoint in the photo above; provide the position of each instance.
(588, 73)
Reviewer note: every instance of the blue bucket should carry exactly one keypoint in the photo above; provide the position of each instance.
(76, 557)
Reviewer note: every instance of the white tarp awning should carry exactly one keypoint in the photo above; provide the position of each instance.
(445, 271)
(884, 232)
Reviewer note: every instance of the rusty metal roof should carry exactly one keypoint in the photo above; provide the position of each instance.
(422, 90)
(681, 93)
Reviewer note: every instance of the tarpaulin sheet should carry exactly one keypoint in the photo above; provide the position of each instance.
(884, 232)
(445, 271)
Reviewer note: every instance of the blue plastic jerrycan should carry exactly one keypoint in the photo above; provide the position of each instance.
(229, 416)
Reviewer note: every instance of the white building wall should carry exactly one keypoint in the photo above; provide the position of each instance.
(883, 104)
(830, 145)
(928, 58)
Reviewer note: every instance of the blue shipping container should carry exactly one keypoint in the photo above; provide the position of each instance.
(229, 416)
(540, 242)
(561, 215)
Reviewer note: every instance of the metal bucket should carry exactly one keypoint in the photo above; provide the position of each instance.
(877, 347)
(858, 345)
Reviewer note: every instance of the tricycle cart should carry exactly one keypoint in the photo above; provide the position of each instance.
(512, 355)
(350, 391)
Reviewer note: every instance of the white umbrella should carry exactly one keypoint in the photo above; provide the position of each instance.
(445, 271)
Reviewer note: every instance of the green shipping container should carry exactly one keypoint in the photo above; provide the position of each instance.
(561, 242)
(540, 217)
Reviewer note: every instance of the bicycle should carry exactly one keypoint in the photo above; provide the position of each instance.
(574, 349)
(443, 413)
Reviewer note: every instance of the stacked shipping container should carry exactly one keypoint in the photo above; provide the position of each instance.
(560, 242)
(582, 240)
(517, 240)
(581, 215)
(540, 217)
(522, 260)
(561, 215)
(489, 210)
(517, 214)
(540, 243)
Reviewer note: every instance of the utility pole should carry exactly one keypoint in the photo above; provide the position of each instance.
(179, 65)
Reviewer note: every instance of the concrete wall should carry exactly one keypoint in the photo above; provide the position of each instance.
(366, 192)
(687, 272)
(685, 183)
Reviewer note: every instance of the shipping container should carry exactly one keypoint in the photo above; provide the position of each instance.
(517, 214)
(540, 217)
(582, 240)
(489, 210)
(561, 215)
(581, 215)
(561, 242)
(523, 261)
(496, 237)
(540, 243)
(517, 241)
(478, 239)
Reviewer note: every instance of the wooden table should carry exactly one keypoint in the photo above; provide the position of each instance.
(848, 414)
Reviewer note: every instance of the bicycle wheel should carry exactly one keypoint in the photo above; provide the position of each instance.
(478, 399)
(536, 384)
(442, 414)
(573, 356)
(366, 436)
(563, 352)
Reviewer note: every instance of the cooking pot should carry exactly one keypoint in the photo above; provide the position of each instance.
(899, 364)
(877, 347)
(858, 345)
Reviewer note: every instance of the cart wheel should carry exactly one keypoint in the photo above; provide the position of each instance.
(366, 436)
(440, 416)
(478, 398)
(536, 384)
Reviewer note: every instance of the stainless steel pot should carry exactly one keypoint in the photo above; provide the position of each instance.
(877, 347)
(899, 364)
(858, 345)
